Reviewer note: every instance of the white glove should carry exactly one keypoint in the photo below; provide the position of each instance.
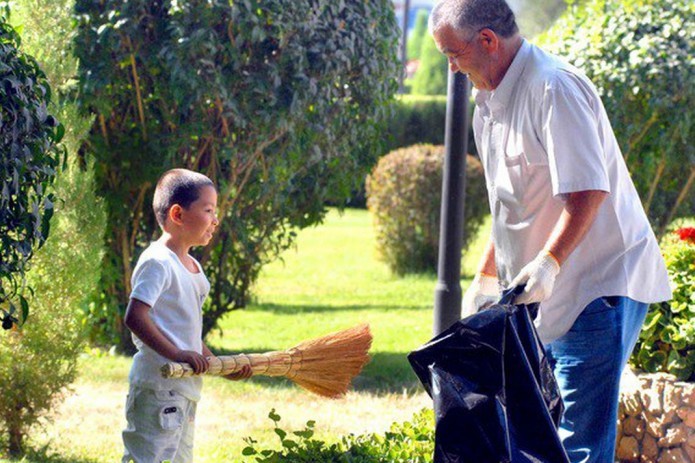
(483, 292)
(539, 276)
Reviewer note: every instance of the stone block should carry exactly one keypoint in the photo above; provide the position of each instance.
(675, 435)
(674, 455)
(687, 415)
(633, 426)
(651, 399)
(654, 425)
(650, 449)
(688, 393)
(628, 450)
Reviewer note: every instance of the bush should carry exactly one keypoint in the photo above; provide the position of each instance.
(410, 442)
(38, 360)
(404, 196)
(281, 104)
(432, 73)
(420, 119)
(29, 138)
(418, 34)
(640, 56)
(667, 340)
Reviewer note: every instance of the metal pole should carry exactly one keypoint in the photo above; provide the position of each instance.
(447, 294)
(404, 44)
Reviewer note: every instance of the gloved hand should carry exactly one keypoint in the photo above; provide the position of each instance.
(539, 276)
(483, 292)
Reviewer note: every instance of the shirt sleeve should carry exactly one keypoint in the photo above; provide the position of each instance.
(570, 133)
(149, 280)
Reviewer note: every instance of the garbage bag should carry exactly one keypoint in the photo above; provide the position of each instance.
(495, 397)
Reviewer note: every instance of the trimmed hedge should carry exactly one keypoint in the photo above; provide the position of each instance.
(420, 119)
(404, 196)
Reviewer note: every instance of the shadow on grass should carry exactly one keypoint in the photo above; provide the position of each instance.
(44, 455)
(285, 309)
(387, 372)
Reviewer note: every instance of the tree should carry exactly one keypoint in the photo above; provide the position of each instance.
(29, 138)
(639, 53)
(432, 74)
(418, 35)
(281, 103)
(38, 360)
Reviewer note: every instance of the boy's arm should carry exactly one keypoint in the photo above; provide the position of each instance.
(244, 373)
(137, 319)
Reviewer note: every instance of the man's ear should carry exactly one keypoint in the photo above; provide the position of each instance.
(176, 214)
(489, 40)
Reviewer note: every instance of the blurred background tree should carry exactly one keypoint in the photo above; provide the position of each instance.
(281, 105)
(38, 360)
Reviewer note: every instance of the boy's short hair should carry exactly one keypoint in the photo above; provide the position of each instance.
(177, 186)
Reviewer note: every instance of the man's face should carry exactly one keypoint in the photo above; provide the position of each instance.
(465, 55)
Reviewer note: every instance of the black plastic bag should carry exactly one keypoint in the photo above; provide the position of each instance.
(495, 397)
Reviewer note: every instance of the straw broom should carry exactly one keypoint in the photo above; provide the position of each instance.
(324, 366)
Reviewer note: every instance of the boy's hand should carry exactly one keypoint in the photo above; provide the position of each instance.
(244, 373)
(198, 362)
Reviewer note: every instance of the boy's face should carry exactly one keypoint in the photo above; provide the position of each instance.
(200, 219)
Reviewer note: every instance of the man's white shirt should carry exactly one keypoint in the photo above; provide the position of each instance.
(544, 133)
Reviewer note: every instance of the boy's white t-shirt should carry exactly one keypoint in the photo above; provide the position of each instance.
(176, 297)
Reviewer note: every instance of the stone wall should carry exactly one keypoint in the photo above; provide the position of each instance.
(656, 419)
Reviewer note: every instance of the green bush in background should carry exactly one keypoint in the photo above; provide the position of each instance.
(411, 442)
(667, 340)
(420, 119)
(432, 74)
(417, 35)
(641, 56)
(38, 360)
(404, 195)
(31, 156)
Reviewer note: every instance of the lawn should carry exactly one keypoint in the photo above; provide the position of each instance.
(330, 280)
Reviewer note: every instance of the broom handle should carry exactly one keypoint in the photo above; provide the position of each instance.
(267, 364)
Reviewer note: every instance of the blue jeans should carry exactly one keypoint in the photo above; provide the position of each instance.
(588, 362)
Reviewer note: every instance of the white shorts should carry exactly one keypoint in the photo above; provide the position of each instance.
(160, 427)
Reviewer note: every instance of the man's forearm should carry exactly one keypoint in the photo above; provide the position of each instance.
(487, 261)
(575, 221)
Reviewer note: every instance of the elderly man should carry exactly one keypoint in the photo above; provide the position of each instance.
(567, 221)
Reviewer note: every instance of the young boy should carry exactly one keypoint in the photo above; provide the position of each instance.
(165, 317)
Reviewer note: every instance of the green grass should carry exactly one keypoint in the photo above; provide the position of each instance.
(330, 280)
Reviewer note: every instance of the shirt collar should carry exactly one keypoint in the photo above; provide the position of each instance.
(499, 98)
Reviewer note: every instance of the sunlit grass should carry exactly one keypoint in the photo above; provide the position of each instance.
(331, 280)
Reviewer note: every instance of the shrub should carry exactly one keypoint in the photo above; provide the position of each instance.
(667, 340)
(29, 138)
(282, 104)
(410, 442)
(432, 73)
(639, 53)
(38, 360)
(404, 196)
(418, 34)
(420, 119)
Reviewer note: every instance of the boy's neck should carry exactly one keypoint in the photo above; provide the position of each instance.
(175, 244)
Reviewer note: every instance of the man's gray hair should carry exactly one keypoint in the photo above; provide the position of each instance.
(474, 15)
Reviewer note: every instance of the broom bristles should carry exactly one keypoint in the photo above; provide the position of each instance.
(325, 365)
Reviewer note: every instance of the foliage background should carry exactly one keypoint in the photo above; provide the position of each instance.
(281, 105)
(29, 138)
(38, 360)
(641, 56)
